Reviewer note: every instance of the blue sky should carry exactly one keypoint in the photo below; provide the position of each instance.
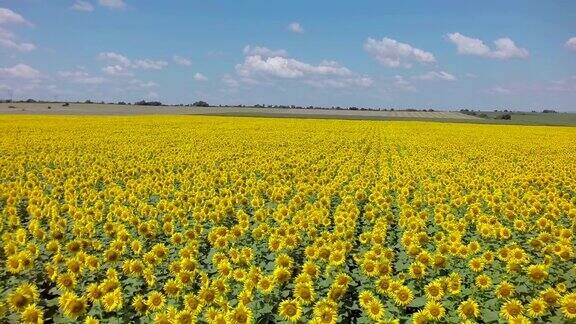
(406, 54)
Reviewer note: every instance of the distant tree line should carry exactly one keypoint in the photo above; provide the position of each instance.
(201, 103)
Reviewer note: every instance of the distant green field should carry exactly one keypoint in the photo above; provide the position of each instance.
(562, 119)
(479, 117)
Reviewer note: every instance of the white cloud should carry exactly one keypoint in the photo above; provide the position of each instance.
(499, 90)
(505, 48)
(8, 16)
(149, 64)
(7, 38)
(295, 27)
(80, 5)
(120, 63)
(402, 84)
(258, 69)
(571, 44)
(20, 71)
(565, 85)
(143, 84)
(199, 77)
(81, 77)
(181, 60)
(469, 46)
(10, 41)
(113, 4)
(342, 83)
(152, 95)
(392, 53)
(230, 81)
(263, 51)
(115, 58)
(116, 70)
(119, 60)
(282, 67)
(436, 76)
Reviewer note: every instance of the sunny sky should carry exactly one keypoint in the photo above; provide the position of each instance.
(403, 54)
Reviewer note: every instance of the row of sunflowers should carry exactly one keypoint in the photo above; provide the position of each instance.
(248, 220)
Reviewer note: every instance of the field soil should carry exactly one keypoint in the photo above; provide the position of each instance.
(105, 109)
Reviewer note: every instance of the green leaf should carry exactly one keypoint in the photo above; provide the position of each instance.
(490, 315)
(522, 289)
(418, 302)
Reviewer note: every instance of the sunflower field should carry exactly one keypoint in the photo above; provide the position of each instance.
(189, 219)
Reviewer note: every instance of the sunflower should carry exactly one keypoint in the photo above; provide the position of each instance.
(439, 261)
(74, 266)
(417, 270)
(304, 292)
(172, 287)
(375, 309)
(403, 296)
(520, 320)
(93, 292)
(240, 314)
(434, 290)
(185, 277)
(342, 279)
(504, 290)
(561, 287)
(112, 301)
(550, 296)
(13, 264)
(511, 309)
(537, 273)
(369, 267)
(91, 320)
(284, 261)
(149, 277)
(290, 310)
(435, 310)
(568, 307)
(336, 291)
(325, 312)
(155, 301)
(66, 281)
(139, 304)
(476, 264)
(310, 268)
(216, 318)
(454, 283)
(266, 285)
(303, 278)
(192, 302)
(185, 317)
(207, 294)
(109, 285)
(468, 309)
(483, 282)
(281, 274)
(537, 308)
(32, 315)
(92, 263)
(162, 318)
(71, 305)
(365, 297)
(337, 258)
(30, 291)
(420, 317)
(488, 257)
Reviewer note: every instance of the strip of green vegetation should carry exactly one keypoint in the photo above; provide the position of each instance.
(526, 118)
